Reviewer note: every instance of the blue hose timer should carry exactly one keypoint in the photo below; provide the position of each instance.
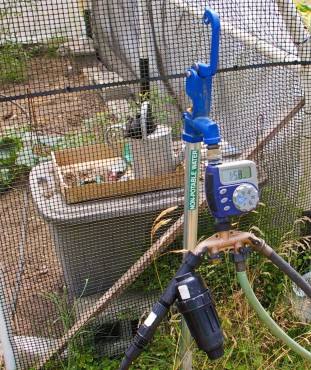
(231, 188)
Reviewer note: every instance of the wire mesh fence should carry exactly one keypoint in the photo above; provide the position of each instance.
(82, 183)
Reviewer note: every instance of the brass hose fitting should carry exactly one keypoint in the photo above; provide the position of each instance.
(224, 241)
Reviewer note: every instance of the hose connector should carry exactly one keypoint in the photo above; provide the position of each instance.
(260, 246)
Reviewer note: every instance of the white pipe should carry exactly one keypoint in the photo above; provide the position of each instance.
(144, 119)
(268, 50)
(8, 353)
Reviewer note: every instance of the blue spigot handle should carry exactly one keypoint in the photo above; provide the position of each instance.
(210, 17)
(198, 127)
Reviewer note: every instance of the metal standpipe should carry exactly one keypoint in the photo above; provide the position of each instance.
(191, 213)
(198, 128)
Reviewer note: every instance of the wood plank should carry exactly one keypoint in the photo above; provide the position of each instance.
(95, 156)
(86, 153)
(89, 165)
(254, 151)
(102, 190)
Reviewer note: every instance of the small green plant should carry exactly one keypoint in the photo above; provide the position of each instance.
(51, 46)
(79, 353)
(304, 10)
(158, 275)
(9, 148)
(13, 63)
(20, 150)
(46, 48)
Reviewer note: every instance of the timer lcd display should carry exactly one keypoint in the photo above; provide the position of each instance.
(236, 174)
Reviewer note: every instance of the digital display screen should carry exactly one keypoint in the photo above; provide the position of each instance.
(236, 174)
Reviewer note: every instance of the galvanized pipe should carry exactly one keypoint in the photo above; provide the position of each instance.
(191, 213)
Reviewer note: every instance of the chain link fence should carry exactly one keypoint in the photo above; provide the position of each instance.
(81, 188)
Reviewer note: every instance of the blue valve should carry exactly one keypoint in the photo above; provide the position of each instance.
(198, 127)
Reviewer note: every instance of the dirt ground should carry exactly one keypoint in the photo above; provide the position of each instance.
(20, 224)
(41, 271)
(51, 114)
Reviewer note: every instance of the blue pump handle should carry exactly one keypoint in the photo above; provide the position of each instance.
(198, 127)
(210, 17)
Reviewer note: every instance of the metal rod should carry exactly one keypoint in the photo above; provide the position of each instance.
(191, 213)
(7, 347)
(143, 49)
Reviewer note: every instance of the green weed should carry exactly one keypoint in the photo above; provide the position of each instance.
(13, 63)
(304, 10)
(9, 170)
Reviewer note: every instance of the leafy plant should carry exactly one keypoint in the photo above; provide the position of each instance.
(10, 9)
(158, 275)
(248, 344)
(51, 46)
(19, 152)
(304, 10)
(9, 148)
(79, 354)
(6, 178)
(13, 63)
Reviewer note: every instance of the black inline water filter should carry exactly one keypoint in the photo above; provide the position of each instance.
(159, 310)
(195, 303)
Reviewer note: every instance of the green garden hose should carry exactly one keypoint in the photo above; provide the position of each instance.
(266, 319)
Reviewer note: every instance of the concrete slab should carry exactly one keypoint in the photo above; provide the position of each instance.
(119, 108)
(80, 46)
(106, 77)
(37, 21)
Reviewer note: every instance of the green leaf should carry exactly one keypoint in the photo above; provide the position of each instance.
(304, 7)
(6, 178)
(9, 148)
(51, 141)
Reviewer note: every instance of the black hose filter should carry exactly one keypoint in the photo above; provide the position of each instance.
(146, 331)
(195, 302)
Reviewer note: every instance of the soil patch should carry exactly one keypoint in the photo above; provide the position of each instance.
(51, 114)
(26, 242)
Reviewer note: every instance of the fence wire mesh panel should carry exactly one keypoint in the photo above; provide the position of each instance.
(92, 163)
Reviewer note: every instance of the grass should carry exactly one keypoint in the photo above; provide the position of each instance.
(15, 57)
(248, 343)
(13, 63)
